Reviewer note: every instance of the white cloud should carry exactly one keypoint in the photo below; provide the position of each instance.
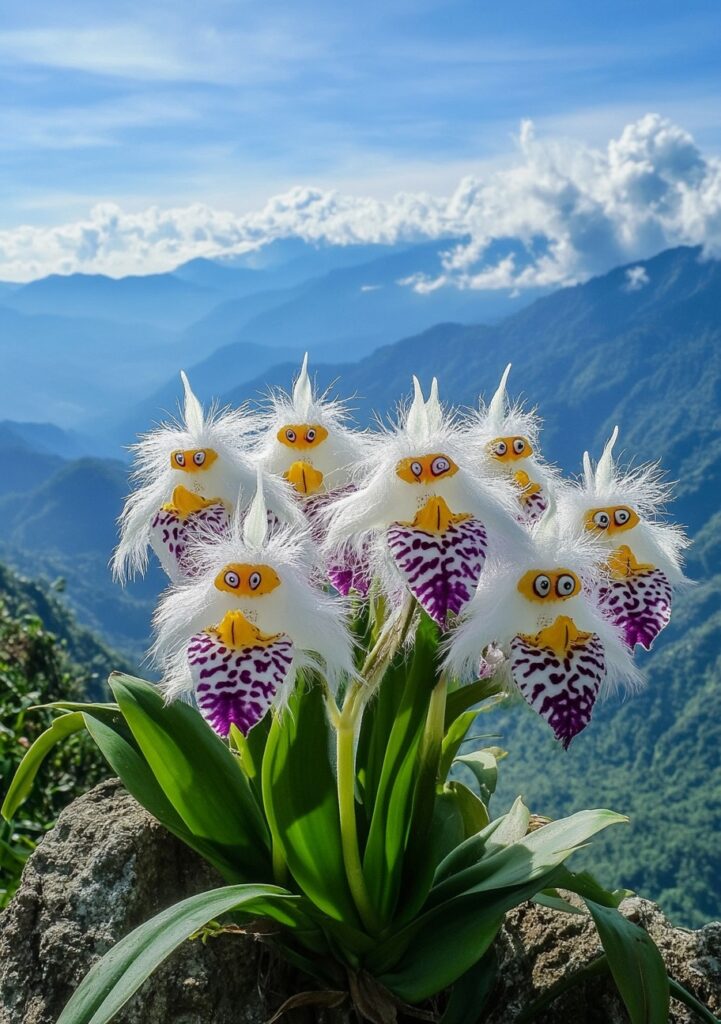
(568, 209)
(636, 278)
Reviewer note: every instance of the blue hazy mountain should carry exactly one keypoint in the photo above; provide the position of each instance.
(82, 345)
(360, 307)
(161, 300)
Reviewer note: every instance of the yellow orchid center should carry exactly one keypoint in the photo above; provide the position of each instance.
(544, 585)
(244, 580)
(426, 469)
(622, 563)
(304, 477)
(193, 460)
(301, 436)
(184, 502)
(510, 449)
(435, 517)
(559, 637)
(236, 631)
(611, 519)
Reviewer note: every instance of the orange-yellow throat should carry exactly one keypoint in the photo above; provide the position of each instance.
(236, 631)
(184, 502)
(435, 517)
(528, 487)
(559, 637)
(304, 477)
(622, 563)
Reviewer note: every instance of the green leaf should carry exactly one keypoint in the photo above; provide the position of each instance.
(473, 811)
(390, 823)
(584, 884)
(484, 765)
(22, 783)
(198, 774)
(466, 696)
(121, 972)
(527, 858)
(471, 992)
(455, 734)
(299, 795)
(379, 716)
(554, 901)
(636, 965)
(509, 827)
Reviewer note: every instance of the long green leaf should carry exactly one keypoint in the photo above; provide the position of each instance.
(198, 774)
(528, 857)
(442, 945)
(489, 888)
(22, 783)
(466, 696)
(636, 965)
(379, 716)
(455, 734)
(388, 833)
(471, 992)
(114, 979)
(299, 795)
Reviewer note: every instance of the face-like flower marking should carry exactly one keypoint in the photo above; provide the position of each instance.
(426, 469)
(612, 519)
(510, 449)
(302, 436)
(244, 580)
(549, 585)
(193, 460)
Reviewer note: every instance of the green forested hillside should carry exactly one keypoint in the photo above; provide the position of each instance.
(44, 656)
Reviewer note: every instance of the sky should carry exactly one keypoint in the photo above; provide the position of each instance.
(137, 134)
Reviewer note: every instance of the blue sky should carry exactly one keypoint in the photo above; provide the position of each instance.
(230, 102)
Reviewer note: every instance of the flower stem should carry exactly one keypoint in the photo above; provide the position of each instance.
(348, 825)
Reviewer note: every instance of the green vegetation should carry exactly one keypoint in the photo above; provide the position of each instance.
(40, 654)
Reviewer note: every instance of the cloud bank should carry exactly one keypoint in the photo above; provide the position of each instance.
(572, 211)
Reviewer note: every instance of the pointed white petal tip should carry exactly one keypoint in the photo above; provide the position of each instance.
(302, 390)
(255, 527)
(192, 409)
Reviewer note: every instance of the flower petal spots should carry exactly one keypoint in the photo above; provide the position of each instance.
(640, 605)
(237, 685)
(441, 570)
(171, 532)
(561, 688)
(533, 506)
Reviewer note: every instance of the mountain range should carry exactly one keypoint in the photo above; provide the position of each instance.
(83, 349)
(640, 346)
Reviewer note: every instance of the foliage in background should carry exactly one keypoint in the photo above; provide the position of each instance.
(38, 665)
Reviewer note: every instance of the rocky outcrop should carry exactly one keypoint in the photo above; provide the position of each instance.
(107, 866)
(539, 946)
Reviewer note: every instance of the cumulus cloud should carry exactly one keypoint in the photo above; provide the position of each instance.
(636, 278)
(569, 210)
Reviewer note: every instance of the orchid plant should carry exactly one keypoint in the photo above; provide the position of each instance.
(309, 736)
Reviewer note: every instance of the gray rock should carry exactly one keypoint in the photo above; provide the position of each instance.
(538, 946)
(107, 866)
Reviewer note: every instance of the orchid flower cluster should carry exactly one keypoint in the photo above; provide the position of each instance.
(276, 527)
(342, 605)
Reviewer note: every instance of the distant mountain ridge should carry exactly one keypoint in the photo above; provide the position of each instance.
(82, 346)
